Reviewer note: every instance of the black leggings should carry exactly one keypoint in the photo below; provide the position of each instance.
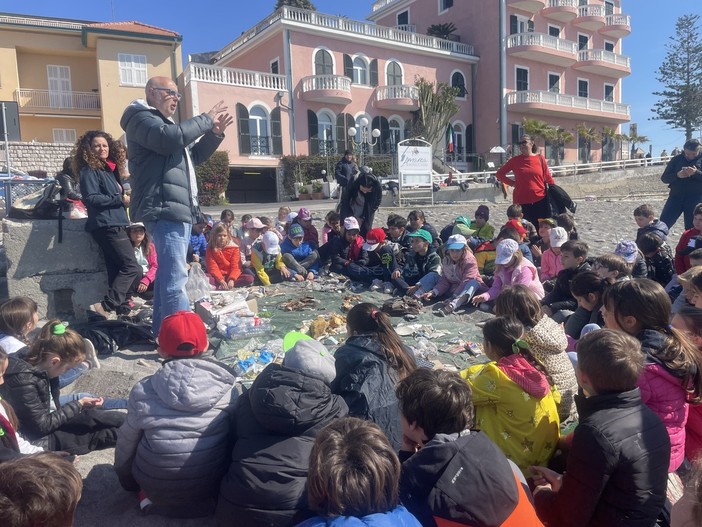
(533, 211)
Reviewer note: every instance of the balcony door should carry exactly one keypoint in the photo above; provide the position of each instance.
(59, 86)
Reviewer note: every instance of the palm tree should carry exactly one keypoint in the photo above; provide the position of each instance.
(441, 30)
(559, 137)
(588, 135)
(635, 138)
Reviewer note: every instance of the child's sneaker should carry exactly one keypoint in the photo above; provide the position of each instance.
(444, 310)
(90, 355)
(376, 285)
(144, 502)
(388, 288)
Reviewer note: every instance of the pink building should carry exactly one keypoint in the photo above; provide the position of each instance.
(298, 80)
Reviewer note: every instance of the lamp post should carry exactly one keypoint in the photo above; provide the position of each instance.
(366, 140)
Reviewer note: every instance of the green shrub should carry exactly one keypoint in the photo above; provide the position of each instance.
(213, 178)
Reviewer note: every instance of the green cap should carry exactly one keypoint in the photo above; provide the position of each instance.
(463, 220)
(292, 337)
(421, 233)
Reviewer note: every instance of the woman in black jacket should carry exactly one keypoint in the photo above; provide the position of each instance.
(362, 199)
(98, 159)
(68, 182)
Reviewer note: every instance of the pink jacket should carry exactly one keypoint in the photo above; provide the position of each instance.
(455, 275)
(525, 273)
(663, 393)
(693, 432)
(550, 264)
(150, 275)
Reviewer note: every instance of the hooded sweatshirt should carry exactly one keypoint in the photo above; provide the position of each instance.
(657, 227)
(454, 276)
(516, 408)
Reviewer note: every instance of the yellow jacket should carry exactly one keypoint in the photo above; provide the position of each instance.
(261, 260)
(525, 427)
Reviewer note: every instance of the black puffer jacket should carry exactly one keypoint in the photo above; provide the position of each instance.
(679, 186)
(276, 424)
(617, 468)
(367, 385)
(30, 392)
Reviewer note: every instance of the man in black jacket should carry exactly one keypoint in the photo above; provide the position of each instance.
(683, 174)
(617, 468)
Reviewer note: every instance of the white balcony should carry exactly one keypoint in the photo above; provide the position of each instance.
(30, 100)
(561, 10)
(603, 62)
(403, 97)
(538, 102)
(407, 27)
(530, 6)
(616, 26)
(331, 89)
(591, 17)
(234, 77)
(543, 48)
(380, 4)
(345, 27)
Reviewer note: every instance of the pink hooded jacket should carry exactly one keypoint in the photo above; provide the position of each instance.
(455, 275)
(525, 273)
(150, 275)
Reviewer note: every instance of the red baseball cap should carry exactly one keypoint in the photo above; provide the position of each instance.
(374, 238)
(517, 226)
(182, 334)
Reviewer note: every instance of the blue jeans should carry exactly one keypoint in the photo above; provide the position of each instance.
(71, 375)
(108, 404)
(171, 239)
(426, 283)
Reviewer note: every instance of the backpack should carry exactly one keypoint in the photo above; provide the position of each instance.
(43, 204)
(109, 336)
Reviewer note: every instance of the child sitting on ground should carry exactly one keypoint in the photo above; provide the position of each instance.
(551, 263)
(628, 250)
(224, 260)
(514, 212)
(452, 474)
(42, 490)
(267, 261)
(348, 248)
(518, 232)
(353, 478)
(417, 220)
(397, 232)
(658, 257)
(145, 254)
(587, 289)
(281, 221)
(560, 303)
(616, 470)
(198, 244)
(645, 218)
(253, 229)
(688, 240)
(567, 221)
(460, 278)
(543, 241)
(686, 296)
(304, 218)
(612, 267)
(300, 256)
(514, 398)
(332, 226)
(174, 444)
(422, 267)
(511, 268)
(381, 263)
(461, 225)
(483, 230)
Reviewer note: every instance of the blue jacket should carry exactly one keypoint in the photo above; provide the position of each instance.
(398, 517)
(300, 253)
(198, 244)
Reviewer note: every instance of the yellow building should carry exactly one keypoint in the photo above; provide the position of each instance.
(70, 76)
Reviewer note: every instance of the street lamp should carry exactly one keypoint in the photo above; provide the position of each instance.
(365, 141)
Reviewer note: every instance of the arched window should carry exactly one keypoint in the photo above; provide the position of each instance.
(323, 63)
(459, 81)
(397, 128)
(394, 74)
(259, 130)
(459, 138)
(360, 71)
(325, 133)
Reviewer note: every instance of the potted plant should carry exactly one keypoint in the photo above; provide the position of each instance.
(317, 190)
(303, 192)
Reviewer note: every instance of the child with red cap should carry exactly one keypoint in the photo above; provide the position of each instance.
(381, 263)
(174, 445)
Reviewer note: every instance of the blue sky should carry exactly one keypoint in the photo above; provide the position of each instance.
(210, 24)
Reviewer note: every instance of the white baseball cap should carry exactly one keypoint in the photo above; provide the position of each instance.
(505, 251)
(558, 236)
(270, 241)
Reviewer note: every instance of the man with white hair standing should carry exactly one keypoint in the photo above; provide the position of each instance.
(162, 157)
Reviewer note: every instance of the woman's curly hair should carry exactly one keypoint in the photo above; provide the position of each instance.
(83, 155)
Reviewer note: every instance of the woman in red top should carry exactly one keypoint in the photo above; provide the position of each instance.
(223, 259)
(530, 175)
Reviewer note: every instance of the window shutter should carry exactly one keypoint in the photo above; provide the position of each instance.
(242, 115)
(530, 26)
(374, 72)
(276, 132)
(340, 133)
(313, 132)
(513, 25)
(469, 139)
(348, 66)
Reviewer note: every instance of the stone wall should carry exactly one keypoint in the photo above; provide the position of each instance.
(47, 157)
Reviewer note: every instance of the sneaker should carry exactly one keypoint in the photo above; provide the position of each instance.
(100, 310)
(388, 288)
(144, 502)
(444, 310)
(376, 285)
(90, 355)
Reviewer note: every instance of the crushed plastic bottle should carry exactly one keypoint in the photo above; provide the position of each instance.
(235, 327)
(425, 349)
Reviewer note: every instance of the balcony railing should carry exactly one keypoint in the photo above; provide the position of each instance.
(42, 22)
(260, 145)
(543, 40)
(407, 27)
(562, 3)
(591, 10)
(234, 77)
(604, 56)
(57, 100)
(402, 91)
(618, 20)
(567, 101)
(326, 82)
(382, 3)
(340, 24)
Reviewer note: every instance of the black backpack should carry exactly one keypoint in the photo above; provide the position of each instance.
(43, 204)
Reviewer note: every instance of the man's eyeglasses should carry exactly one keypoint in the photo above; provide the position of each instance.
(171, 93)
(523, 142)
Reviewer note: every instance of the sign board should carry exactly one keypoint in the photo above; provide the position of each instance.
(414, 165)
(11, 118)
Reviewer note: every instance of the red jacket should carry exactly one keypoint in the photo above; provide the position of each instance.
(529, 177)
(682, 263)
(224, 264)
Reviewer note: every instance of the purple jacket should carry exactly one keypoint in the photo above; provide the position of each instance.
(455, 275)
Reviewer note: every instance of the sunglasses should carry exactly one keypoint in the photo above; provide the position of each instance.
(523, 142)
(170, 93)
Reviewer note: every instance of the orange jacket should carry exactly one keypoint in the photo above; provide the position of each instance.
(224, 264)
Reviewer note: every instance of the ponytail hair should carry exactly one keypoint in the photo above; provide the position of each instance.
(504, 334)
(59, 341)
(367, 318)
(15, 314)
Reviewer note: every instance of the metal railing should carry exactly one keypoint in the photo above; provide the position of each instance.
(542, 40)
(42, 22)
(618, 20)
(604, 56)
(59, 100)
(567, 101)
(260, 145)
(326, 82)
(591, 10)
(341, 24)
(400, 91)
(234, 77)
(18, 188)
